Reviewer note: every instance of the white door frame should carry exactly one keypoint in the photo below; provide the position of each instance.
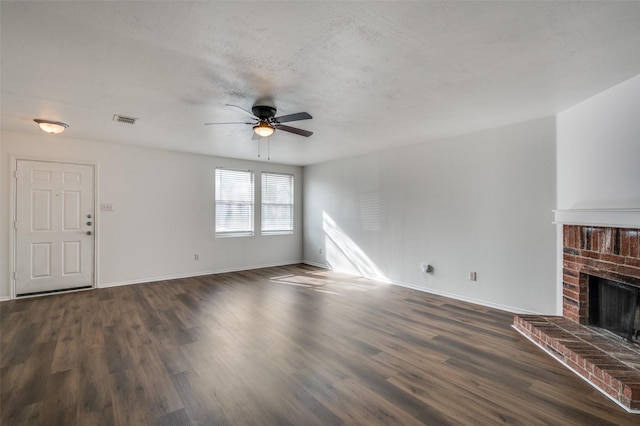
(14, 213)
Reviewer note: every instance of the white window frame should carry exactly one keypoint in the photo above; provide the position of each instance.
(266, 228)
(246, 200)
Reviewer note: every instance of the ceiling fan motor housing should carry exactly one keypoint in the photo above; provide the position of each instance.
(263, 112)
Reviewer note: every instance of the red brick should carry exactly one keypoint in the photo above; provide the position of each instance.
(585, 238)
(571, 282)
(572, 291)
(548, 341)
(608, 241)
(628, 271)
(599, 383)
(584, 261)
(569, 232)
(632, 261)
(570, 315)
(571, 363)
(609, 379)
(590, 254)
(575, 358)
(634, 249)
(631, 392)
(570, 294)
(625, 236)
(598, 373)
(597, 239)
(570, 266)
(567, 283)
(612, 258)
(614, 394)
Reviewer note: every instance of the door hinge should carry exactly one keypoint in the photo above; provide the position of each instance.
(15, 225)
(15, 276)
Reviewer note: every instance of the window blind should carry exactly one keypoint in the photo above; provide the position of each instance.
(277, 203)
(234, 202)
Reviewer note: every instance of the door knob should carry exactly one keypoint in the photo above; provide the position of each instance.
(89, 223)
(88, 232)
(88, 216)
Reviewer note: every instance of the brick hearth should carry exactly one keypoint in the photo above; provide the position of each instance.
(605, 360)
(608, 362)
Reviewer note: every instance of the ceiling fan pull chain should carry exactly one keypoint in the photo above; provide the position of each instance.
(258, 147)
(269, 148)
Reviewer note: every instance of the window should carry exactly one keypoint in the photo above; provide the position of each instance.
(234, 203)
(277, 203)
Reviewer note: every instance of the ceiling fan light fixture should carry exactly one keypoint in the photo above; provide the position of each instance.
(263, 129)
(52, 127)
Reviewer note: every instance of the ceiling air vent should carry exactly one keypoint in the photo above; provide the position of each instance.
(123, 119)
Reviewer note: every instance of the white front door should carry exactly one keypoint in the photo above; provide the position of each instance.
(54, 227)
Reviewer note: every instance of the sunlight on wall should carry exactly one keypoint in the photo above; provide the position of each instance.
(343, 254)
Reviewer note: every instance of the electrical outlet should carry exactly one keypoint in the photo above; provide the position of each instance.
(472, 276)
(196, 256)
(319, 250)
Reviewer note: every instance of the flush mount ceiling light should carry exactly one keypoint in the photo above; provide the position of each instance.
(263, 129)
(53, 127)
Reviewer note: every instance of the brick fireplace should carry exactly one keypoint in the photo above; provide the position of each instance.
(608, 362)
(611, 253)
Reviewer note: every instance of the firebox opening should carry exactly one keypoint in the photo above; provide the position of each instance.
(615, 307)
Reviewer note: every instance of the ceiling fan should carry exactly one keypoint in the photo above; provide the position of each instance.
(265, 122)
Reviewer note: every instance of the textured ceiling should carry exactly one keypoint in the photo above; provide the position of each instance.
(374, 75)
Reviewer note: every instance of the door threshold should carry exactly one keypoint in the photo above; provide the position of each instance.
(47, 292)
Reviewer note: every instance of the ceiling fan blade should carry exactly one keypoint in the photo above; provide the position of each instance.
(229, 122)
(293, 117)
(295, 130)
(248, 113)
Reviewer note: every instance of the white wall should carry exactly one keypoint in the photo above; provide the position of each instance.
(163, 211)
(481, 202)
(599, 150)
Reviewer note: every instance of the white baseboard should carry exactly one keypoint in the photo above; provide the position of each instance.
(196, 274)
(316, 264)
(466, 299)
(433, 291)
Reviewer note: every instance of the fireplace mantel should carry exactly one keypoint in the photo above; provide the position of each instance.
(620, 218)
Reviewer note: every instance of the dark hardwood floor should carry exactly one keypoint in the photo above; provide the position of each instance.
(286, 345)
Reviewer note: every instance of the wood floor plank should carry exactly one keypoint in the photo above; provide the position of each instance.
(201, 404)
(69, 343)
(286, 345)
(60, 402)
(96, 404)
(24, 384)
(130, 400)
(161, 394)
